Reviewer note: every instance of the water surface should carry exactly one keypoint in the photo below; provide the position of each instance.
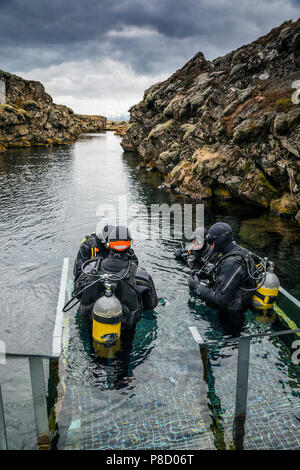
(150, 396)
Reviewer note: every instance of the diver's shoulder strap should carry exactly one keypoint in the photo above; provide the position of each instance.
(244, 257)
(248, 261)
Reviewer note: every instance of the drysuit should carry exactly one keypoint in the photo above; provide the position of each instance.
(91, 247)
(229, 286)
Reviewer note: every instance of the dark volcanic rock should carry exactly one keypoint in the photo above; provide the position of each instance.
(28, 116)
(230, 127)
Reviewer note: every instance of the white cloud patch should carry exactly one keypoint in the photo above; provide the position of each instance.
(106, 87)
(131, 32)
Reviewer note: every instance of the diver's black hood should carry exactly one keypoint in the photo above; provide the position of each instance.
(228, 247)
(221, 235)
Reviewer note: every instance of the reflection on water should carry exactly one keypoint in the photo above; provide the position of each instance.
(148, 395)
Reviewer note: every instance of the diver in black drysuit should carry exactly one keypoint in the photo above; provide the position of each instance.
(92, 246)
(122, 262)
(228, 287)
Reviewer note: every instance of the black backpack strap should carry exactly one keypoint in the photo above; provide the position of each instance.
(233, 254)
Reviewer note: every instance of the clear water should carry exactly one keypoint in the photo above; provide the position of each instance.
(152, 395)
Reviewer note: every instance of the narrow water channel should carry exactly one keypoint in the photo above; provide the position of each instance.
(150, 396)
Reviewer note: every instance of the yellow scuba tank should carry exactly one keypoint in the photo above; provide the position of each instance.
(107, 314)
(266, 293)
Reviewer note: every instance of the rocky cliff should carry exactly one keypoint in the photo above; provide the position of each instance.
(28, 116)
(228, 128)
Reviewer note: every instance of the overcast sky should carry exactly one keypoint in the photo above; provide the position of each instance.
(98, 56)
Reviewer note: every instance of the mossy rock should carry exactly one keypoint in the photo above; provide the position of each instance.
(7, 108)
(237, 55)
(284, 206)
(208, 191)
(20, 144)
(160, 128)
(262, 181)
(285, 122)
(283, 105)
(226, 59)
(237, 69)
(222, 193)
(293, 117)
(281, 123)
(230, 108)
(246, 166)
(175, 146)
(30, 104)
(217, 61)
(197, 99)
(244, 131)
(248, 130)
(169, 157)
(188, 130)
(149, 99)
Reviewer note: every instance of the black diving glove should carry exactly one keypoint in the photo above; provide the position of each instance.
(197, 284)
(180, 253)
(194, 283)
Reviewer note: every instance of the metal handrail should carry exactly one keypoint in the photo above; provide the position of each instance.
(8, 355)
(244, 343)
(37, 374)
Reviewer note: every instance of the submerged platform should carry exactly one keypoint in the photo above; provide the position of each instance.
(152, 396)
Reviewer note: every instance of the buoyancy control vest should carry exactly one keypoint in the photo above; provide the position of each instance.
(261, 287)
(243, 295)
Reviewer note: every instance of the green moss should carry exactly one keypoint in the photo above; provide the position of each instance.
(30, 104)
(264, 182)
(246, 166)
(283, 105)
(222, 193)
(285, 205)
(188, 130)
(19, 144)
(57, 141)
(7, 108)
(160, 128)
(197, 168)
(175, 146)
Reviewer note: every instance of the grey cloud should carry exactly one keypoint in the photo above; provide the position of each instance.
(152, 37)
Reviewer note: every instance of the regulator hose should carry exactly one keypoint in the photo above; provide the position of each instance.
(100, 277)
